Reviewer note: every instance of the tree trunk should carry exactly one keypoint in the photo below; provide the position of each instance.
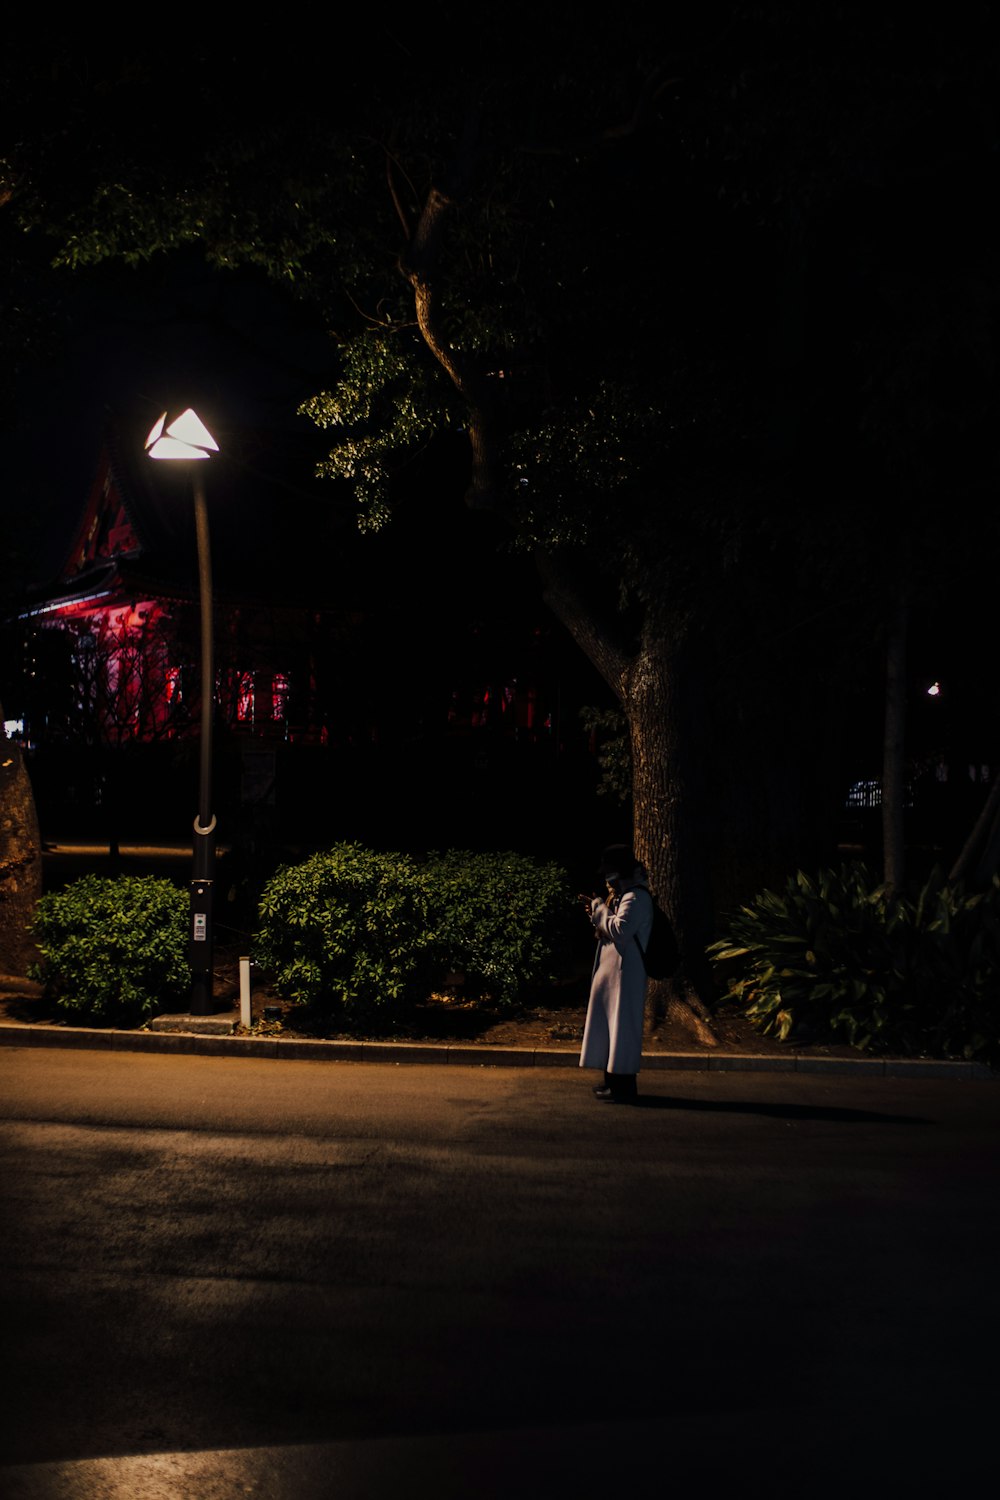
(663, 704)
(980, 858)
(660, 689)
(893, 757)
(20, 860)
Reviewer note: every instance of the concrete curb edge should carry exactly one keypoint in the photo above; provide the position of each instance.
(468, 1054)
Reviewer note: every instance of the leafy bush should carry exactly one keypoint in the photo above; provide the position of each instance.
(113, 950)
(347, 927)
(499, 918)
(840, 958)
(363, 931)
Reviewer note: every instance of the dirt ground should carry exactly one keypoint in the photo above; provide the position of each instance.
(551, 1017)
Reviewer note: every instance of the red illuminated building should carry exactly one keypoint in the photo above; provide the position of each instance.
(110, 647)
(346, 665)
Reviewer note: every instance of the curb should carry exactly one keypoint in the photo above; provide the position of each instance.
(13, 1034)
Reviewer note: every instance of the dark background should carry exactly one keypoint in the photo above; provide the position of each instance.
(890, 197)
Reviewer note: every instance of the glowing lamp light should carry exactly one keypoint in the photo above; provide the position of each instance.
(934, 691)
(186, 437)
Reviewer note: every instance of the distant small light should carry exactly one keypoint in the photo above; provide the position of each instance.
(934, 691)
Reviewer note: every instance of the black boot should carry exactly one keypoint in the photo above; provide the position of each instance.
(628, 1088)
(601, 1090)
(621, 1089)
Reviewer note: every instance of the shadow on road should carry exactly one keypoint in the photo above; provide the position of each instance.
(779, 1111)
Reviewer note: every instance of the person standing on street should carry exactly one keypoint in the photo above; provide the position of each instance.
(612, 1036)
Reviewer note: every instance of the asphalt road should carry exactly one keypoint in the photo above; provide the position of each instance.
(237, 1276)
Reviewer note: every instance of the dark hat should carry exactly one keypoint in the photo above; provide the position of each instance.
(618, 858)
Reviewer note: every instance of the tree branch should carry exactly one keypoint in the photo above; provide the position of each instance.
(392, 165)
(568, 605)
(980, 855)
(417, 265)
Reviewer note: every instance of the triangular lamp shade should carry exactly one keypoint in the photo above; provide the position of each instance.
(186, 437)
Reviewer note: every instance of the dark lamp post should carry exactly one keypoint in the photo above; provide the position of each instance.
(187, 439)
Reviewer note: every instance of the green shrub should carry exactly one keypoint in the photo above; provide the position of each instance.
(347, 928)
(840, 958)
(363, 931)
(113, 950)
(502, 919)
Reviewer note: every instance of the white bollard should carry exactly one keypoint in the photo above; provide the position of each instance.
(246, 1016)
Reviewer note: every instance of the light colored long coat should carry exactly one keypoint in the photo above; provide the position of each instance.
(612, 1037)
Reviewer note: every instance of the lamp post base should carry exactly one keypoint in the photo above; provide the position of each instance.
(201, 995)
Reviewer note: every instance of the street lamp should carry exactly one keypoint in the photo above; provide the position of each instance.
(187, 439)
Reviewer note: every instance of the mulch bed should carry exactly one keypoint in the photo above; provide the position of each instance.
(551, 1017)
